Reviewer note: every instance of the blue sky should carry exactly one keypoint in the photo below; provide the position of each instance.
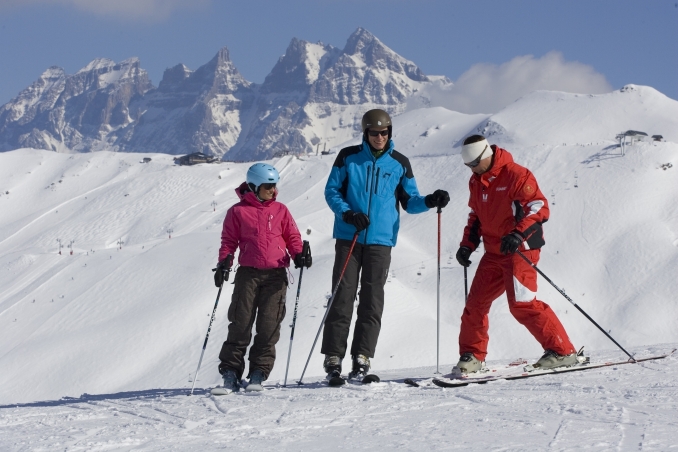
(620, 42)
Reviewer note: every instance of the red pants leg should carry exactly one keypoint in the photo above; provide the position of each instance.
(520, 280)
(487, 286)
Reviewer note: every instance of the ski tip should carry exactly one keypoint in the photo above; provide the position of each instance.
(254, 388)
(410, 382)
(371, 378)
(336, 381)
(220, 392)
(445, 384)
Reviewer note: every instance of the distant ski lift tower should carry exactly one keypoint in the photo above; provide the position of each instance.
(575, 180)
(169, 232)
(70, 246)
(60, 245)
(120, 243)
(214, 206)
(635, 136)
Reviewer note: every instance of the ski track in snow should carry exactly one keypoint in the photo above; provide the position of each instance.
(628, 407)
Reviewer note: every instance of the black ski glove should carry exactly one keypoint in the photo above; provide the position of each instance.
(304, 258)
(463, 254)
(511, 242)
(223, 270)
(359, 220)
(438, 198)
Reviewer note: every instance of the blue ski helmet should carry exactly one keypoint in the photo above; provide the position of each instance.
(261, 173)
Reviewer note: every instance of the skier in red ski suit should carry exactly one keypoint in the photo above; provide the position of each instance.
(507, 212)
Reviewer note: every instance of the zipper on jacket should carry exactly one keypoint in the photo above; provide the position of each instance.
(376, 184)
(367, 179)
(369, 201)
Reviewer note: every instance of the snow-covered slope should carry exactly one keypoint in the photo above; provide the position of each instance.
(622, 408)
(584, 119)
(129, 308)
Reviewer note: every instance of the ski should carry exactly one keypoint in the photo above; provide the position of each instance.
(335, 379)
(465, 381)
(370, 378)
(411, 382)
(338, 380)
(219, 391)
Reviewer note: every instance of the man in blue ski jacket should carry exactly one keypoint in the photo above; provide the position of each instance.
(367, 186)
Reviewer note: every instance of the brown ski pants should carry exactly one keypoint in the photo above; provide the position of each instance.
(259, 294)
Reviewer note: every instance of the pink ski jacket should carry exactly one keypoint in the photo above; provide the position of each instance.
(265, 232)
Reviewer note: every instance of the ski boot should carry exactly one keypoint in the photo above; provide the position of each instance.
(552, 360)
(469, 364)
(231, 384)
(332, 365)
(256, 379)
(361, 366)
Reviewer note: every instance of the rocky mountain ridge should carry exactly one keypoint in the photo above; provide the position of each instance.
(314, 95)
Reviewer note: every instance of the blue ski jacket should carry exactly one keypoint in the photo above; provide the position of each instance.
(374, 186)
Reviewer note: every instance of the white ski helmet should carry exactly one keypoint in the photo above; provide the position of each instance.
(261, 173)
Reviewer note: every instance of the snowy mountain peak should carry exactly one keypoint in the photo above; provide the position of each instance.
(221, 74)
(374, 53)
(299, 67)
(97, 64)
(53, 73)
(359, 40)
(315, 93)
(173, 76)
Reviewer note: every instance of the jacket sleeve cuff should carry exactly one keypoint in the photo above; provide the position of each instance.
(468, 245)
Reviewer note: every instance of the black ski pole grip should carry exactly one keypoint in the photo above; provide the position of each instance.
(306, 253)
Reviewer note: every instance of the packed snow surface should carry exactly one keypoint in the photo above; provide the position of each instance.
(98, 347)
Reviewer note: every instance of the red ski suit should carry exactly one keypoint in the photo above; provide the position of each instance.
(507, 199)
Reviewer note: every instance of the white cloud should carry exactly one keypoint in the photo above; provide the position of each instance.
(487, 88)
(153, 10)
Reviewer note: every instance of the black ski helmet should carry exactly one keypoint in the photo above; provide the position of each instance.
(377, 118)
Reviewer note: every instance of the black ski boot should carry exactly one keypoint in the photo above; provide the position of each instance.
(256, 379)
(332, 365)
(361, 367)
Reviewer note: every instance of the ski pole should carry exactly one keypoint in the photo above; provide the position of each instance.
(438, 300)
(465, 285)
(304, 252)
(329, 304)
(562, 292)
(209, 328)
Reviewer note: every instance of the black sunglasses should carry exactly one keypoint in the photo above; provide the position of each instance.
(476, 162)
(374, 133)
(267, 186)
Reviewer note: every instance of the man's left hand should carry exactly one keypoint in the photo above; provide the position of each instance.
(438, 198)
(510, 243)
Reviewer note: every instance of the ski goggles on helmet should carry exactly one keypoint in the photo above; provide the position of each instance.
(475, 162)
(374, 133)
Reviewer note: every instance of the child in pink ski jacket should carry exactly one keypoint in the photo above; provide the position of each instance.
(267, 236)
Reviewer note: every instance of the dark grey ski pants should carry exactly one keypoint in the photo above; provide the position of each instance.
(258, 294)
(373, 262)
